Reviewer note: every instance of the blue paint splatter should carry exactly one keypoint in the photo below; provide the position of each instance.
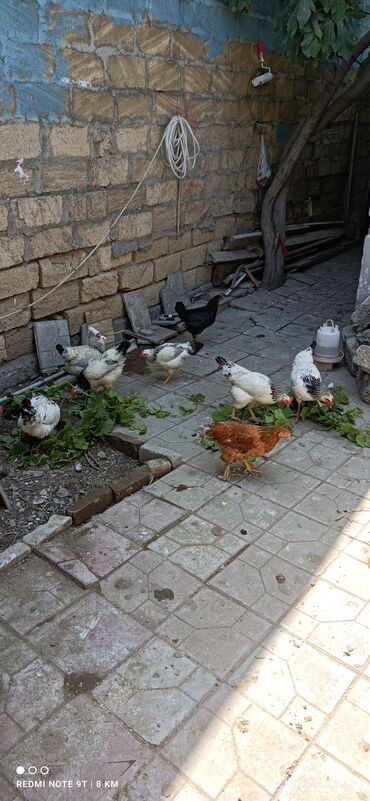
(42, 100)
(24, 60)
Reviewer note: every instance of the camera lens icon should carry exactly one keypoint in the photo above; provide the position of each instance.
(32, 770)
(20, 770)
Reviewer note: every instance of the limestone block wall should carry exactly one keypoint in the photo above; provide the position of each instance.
(88, 88)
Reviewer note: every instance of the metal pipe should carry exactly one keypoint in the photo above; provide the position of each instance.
(39, 383)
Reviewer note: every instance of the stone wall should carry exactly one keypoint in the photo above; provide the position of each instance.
(86, 97)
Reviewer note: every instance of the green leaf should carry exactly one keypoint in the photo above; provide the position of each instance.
(303, 12)
(196, 398)
(184, 410)
(222, 413)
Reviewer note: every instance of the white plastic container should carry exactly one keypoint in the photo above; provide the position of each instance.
(327, 340)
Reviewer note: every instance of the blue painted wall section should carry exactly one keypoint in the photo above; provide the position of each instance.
(32, 38)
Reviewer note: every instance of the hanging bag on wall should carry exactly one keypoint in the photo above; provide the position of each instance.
(263, 169)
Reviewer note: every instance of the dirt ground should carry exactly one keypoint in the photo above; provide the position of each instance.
(38, 492)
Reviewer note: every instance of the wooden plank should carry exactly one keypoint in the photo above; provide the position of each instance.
(225, 256)
(245, 238)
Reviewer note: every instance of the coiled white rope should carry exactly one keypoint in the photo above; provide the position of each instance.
(177, 155)
(180, 146)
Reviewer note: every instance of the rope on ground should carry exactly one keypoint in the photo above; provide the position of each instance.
(177, 154)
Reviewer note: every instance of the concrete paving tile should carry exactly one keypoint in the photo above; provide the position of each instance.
(156, 666)
(313, 556)
(261, 512)
(350, 575)
(163, 545)
(154, 714)
(126, 588)
(32, 592)
(284, 580)
(149, 614)
(252, 626)
(231, 544)
(7, 793)
(200, 560)
(270, 607)
(303, 718)
(303, 453)
(295, 527)
(120, 517)
(227, 704)
(268, 542)
(356, 467)
(359, 550)
(324, 509)
(100, 548)
(174, 630)
(353, 751)
(87, 740)
(218, 649)
(251, 747)
(179, 440)
(157, 781)
(196, 749)
(317, 678)
(10, 733)
(190, 793)
(359, 694)
(170, 586)
(159, 515)
(265, 679)
(16, 656)
(318, 777)
(193, 497)
(242, 787)
(91, 636)
(199, 684)
(347, 640)
(146, 561)
(240, 581)
(364, 616)
(209, 608)
(327, 603)
(222, 512)
(298, 623)
(281, 642)
(34, 693)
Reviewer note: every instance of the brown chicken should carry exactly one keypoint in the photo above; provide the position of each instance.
(238, 441)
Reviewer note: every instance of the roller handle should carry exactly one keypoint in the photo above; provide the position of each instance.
(260, 48)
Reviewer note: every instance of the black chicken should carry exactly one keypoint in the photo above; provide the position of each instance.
(196, 320)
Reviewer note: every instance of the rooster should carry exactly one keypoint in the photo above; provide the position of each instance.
(170, 356)
(39, 416)
(238, 441)
(196, 320)
(306, 380)
(102, 373)
(77, 358)
(248, 388)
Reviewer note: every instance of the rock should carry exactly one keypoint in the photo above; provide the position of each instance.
(361, 317)
(13, 554)
(55, 525)
(362, 358)
(62, 492)
(364, 337)
(148, 452)
(349, 348)
(363, 384)
(159, 467)
(78, 467)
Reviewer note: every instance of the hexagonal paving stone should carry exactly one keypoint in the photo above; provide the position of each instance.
(346, 640)
(318, 678)
(261, 512)
(120, 517)
(209, 608)
(218, 649)
(127, 587)
(297, 527)
(318, 778)
(349, 574)
(268, 769)
(295, 579)
(265, 679)
(79, 741)
(196, 750)
(92, 636)
(222, 512)
(159, 515)
(156, 666)
(157, 781)
(34, 693)
(100, 548)
(242, 787)
(32, 592)
(325, 602)
(240, 581)
(303, 718)
(195, 531)
(200, 560)
(10, 732)
(169, 585)
(309, 555)
(353, 750)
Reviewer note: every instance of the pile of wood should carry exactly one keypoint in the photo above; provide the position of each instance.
(306, 244)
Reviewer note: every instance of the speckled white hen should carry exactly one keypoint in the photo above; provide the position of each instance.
(248, 387)
(306, 381)
(39, 416)
(169, 357)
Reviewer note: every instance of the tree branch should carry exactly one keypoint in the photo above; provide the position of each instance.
(344, 100)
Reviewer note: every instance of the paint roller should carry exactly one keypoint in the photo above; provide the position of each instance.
(265, 74)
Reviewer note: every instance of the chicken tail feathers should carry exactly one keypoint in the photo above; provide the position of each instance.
(82, 382)
(124, 345)
(59, 348)
(180, 309)
(196, 347)
(27, 409)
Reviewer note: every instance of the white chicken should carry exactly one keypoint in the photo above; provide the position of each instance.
(39, 416)
(248, 388)
(170, 356)
(77, 358)
(102, 373)
(306, 380)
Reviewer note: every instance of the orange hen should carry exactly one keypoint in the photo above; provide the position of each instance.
(238, 441)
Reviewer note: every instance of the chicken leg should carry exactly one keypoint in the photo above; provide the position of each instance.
(250, 469)
(167, 379)
(251, 412)
(299, 404)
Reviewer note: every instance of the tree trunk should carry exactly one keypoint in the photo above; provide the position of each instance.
(274, 203)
